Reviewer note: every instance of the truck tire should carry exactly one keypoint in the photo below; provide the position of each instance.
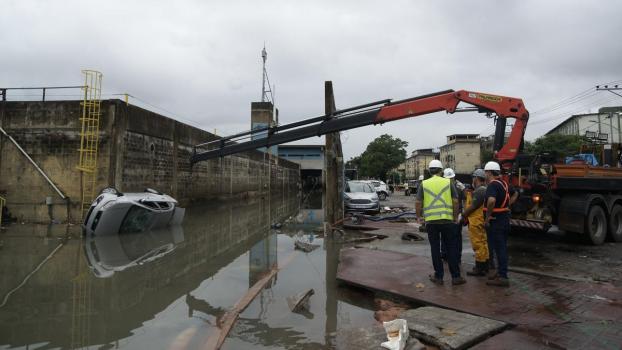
(382, 196)
(615, 223)
(596, 225)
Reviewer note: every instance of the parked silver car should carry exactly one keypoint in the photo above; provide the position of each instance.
(360, 196)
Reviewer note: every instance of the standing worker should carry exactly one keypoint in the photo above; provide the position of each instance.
(437, 205)
(497, 211)
(474, 214)
(449, 173)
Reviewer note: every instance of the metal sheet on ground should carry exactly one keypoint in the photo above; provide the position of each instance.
(448, 329)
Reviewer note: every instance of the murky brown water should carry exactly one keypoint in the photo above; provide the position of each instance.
(166, 289)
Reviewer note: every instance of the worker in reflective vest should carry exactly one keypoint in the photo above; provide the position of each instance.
(437, 205)
(474, 215)
(497, 212)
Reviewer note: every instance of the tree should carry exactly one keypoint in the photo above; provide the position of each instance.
(557, 145)
(354, 163)
(381, 155)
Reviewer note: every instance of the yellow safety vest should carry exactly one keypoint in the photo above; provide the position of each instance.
(437, 202)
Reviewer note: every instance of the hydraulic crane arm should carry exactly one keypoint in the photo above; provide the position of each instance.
(503, 107)
(381, 112)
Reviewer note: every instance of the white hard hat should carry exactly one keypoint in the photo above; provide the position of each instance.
(449, 173)
(492, 166)
(435, 163)
(420, 177)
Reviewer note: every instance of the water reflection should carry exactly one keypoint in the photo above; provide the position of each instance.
(112, 253)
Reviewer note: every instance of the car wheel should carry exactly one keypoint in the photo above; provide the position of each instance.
(382, 196)
(596, 225)
(615, 223)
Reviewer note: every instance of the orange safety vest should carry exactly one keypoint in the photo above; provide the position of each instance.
(505, 205)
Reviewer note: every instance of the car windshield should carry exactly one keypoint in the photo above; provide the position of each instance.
(135, 220)
(359, 187)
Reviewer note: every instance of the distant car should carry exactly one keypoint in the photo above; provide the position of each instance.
(361, 196)
(411, 187)
(381, 188)
(113, 212)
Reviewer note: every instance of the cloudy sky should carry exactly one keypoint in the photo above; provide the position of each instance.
(199, 61)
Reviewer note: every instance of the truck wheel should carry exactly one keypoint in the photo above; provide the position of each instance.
(615, 223)
(596, 225)
(382, 196)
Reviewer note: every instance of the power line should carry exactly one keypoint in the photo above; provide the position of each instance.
(569, 100)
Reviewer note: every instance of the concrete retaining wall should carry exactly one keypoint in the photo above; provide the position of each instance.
(137, 149)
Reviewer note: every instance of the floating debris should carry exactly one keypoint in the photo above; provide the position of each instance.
(305, 246)
(300, 301)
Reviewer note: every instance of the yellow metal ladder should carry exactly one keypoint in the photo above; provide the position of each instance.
(89, 136)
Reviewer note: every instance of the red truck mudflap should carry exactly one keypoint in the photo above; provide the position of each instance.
(530, 224)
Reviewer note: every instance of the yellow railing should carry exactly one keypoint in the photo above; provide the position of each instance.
(2, 202)
(89, 136)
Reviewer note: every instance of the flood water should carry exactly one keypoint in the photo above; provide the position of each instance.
(168, 289)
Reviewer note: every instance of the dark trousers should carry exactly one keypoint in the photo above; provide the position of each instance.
(497, 234)
(445, 233)
(458, 244)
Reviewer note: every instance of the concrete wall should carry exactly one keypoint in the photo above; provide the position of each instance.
(137, 149)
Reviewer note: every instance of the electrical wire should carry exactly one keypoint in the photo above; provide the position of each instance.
(598, 102)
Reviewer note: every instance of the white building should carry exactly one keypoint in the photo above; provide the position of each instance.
(461, 153)
(603, 126)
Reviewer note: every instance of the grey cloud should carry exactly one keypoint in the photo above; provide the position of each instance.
(201, 59)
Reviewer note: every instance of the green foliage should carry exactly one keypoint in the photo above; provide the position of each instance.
(382, 154)
(354, 163)
(557, 145)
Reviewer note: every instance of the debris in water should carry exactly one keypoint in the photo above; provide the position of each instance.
(305, 246)
(397, 334)
(300, 301)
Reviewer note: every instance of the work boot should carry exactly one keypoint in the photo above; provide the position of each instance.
(437, 281)
(478, 269)
(458, 280)
(499, 282)
(492, 271)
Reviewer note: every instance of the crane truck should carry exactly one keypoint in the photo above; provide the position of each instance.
(577, 198)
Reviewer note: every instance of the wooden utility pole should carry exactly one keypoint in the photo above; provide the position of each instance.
(333, 164)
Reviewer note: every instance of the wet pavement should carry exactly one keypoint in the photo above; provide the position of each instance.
(571, 315)
(564, 293)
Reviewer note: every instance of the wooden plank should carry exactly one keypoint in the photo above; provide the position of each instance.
(215, 341)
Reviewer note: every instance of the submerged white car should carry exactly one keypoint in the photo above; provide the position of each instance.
(113, 212)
